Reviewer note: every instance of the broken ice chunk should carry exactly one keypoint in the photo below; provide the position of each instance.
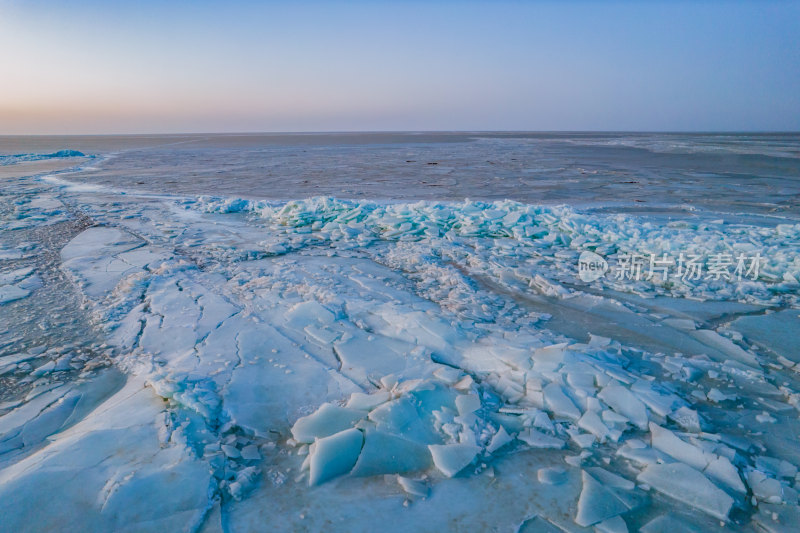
(10, 293)
(598, 341)
(591, 422)
(667, 442)
(643, 455)
(726, 346)
(687, 485)
(467, 403)
(250, 453)
(367, 402)
(365, 356)
(540, 420)
(581, 380)
(764, 488)
(509, 389)
(400, 417)
(451, 459)
(560, 403)
(537, 439)
(499, 439)
(389, 381)
(621, 400)
(610, 479)
(549, 358)
(245, 480)
(596, 503)
(583, 440)
(383, 453)
(722, 470)
(14, 276)
(464, 384)
(448, 375)
(334, 456)
(326, 420)
(322, 335)
(716, 396)
(776, 467)
(614, 420)
(659, 403)
(230, 451)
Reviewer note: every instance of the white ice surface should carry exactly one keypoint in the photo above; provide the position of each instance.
(268, 347)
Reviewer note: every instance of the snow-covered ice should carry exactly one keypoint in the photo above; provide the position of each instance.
(423, 365)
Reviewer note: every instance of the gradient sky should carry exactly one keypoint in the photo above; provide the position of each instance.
(139, 67)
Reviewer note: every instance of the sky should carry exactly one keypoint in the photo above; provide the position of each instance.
(199, 66)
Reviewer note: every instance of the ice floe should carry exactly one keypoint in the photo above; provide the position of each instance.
(687, 485)
(545, 231)
(19, 158)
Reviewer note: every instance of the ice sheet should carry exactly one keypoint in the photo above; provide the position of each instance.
(414, 363)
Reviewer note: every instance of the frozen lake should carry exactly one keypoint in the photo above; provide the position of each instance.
(472, 331)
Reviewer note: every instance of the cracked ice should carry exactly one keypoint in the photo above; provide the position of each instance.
(258, 362)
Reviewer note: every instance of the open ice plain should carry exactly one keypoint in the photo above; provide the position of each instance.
(178, 361)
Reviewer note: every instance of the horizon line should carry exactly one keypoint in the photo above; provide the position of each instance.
(407, 132)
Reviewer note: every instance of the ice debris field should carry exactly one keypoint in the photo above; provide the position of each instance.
(216, 364)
